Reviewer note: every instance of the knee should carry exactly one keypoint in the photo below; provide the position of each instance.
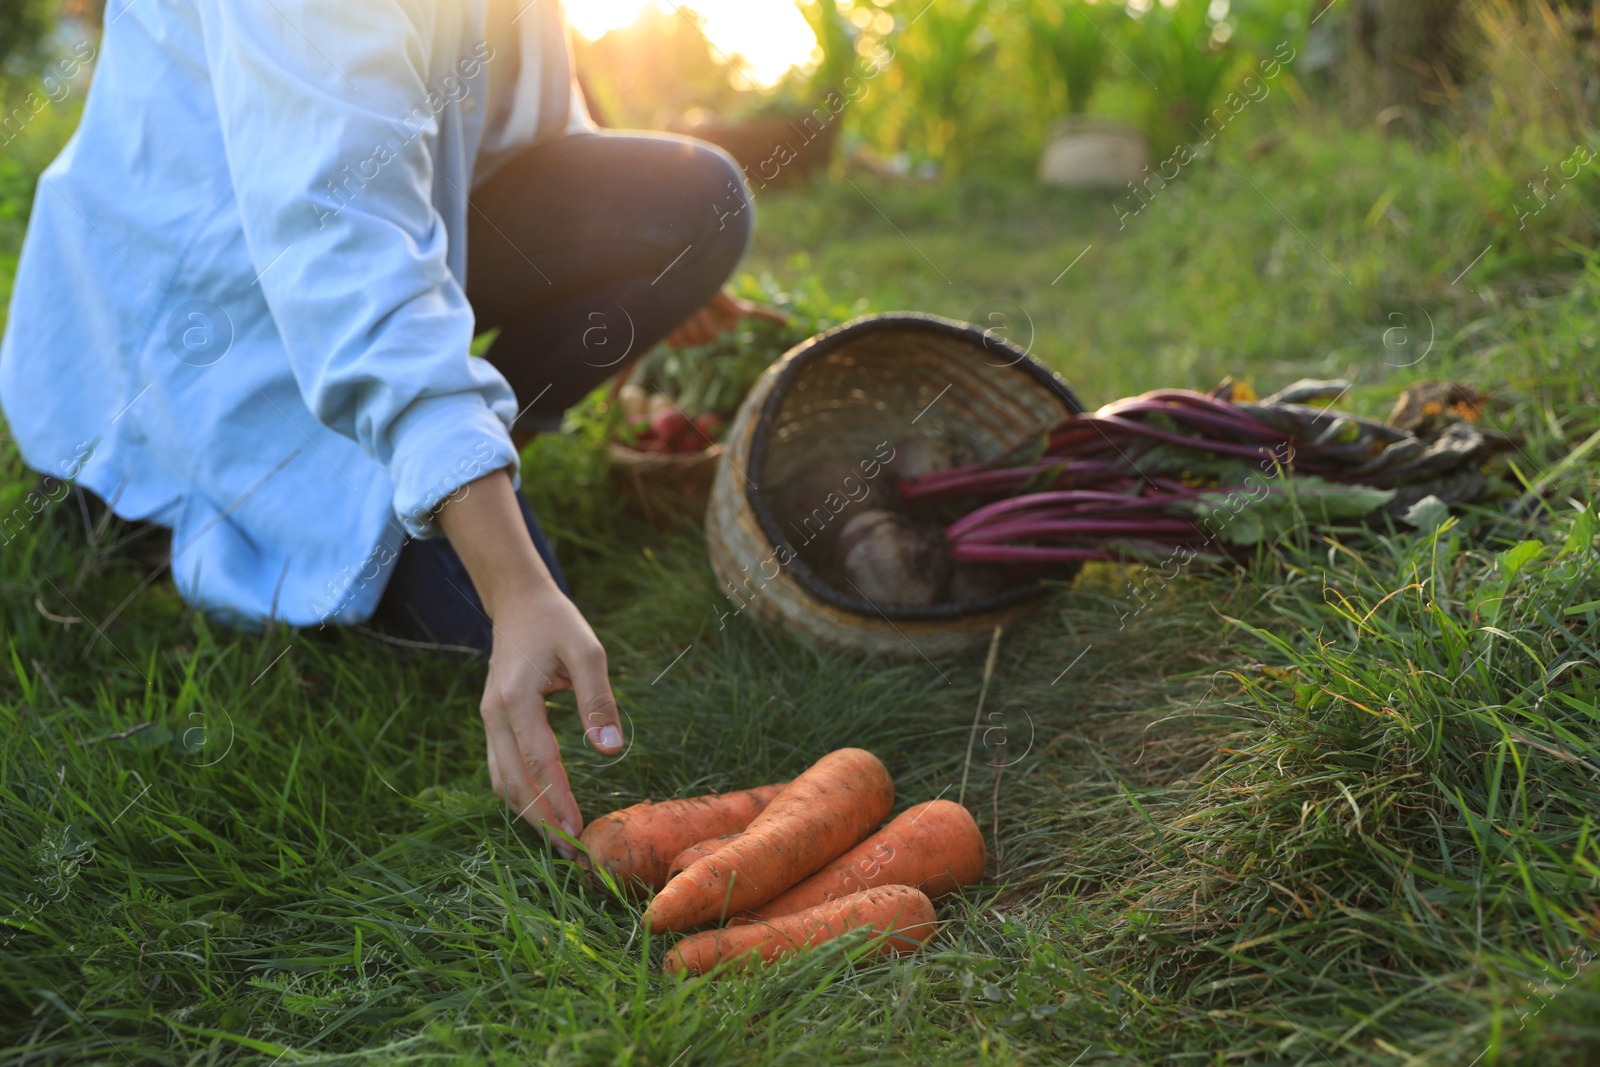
(718, 179)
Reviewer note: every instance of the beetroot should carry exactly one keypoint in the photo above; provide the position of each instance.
(710, 426)
(892, 560)
(670, 424)
(690, 440)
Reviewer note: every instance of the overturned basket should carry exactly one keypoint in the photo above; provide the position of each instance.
(844, 396)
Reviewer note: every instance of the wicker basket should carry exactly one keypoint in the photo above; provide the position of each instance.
(839, 397)
(665, 488)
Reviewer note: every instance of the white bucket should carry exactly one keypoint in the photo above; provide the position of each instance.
(1086, 154)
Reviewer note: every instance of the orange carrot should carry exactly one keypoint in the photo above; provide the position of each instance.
(839, 800)
(904, 913)
(697, 851)
(934, 846)
(636, 844)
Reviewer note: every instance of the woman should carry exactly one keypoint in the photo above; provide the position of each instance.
(244, 304)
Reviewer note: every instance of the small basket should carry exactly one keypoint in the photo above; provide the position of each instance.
(839, 397)
(664, 488)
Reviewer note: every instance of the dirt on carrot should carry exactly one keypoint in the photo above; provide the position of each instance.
(637, 844)
(838, 801)
(935, 846)
(902, 913)
(696, 852)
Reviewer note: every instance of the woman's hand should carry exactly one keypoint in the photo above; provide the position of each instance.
(722, 312)
(541, 645)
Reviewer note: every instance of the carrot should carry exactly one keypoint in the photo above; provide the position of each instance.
(903, 913)
(637, 844)
(839, 800)
(697, 851)
(934, 846)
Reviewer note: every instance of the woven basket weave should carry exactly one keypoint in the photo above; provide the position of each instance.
(841, 396)
(664, 488)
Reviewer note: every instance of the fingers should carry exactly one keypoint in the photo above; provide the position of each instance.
(762, 311)
(506, 773)
(552, 801)
(597, 707)
(524, 757)
(497, 781)
(526, 769)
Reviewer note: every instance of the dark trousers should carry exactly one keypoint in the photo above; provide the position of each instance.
(583, 252)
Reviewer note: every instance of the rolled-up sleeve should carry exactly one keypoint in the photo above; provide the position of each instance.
(331, 129)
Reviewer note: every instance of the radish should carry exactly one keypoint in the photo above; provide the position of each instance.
(670, 424)
(710, 426)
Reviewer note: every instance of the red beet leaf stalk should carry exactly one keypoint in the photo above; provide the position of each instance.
(1117, 484)
(1077, 525)
(1088, 450)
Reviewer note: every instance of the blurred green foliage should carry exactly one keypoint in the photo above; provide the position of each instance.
(979, 86)
(715, 376)
(727, 366)
(1527, 149)
(836, 43)
(1185, 54)
(957, 64)
(24, 26)
(25, 149)
(942, 53)
(1072, 48)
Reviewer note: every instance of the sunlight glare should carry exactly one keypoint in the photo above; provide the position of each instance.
(770, 36)
(593, 18)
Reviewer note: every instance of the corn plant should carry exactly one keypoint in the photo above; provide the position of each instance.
(837, 39)
(1071, 45)
(1179, 52)
(943, 45)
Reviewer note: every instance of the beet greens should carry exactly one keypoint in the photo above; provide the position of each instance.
(1180, 470)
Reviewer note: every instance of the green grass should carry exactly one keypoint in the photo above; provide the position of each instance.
(27, 151)
(1337, 806)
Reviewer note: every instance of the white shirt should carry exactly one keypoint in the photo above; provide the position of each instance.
(239, 309)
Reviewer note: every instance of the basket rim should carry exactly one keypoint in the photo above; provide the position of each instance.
(802, 355)
(625, 455)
